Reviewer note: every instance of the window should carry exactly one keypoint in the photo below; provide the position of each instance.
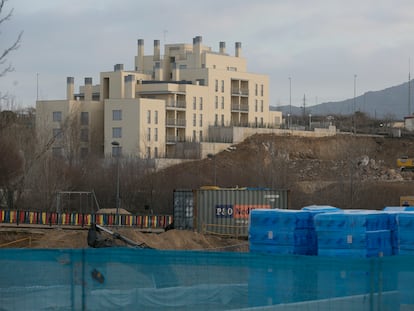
(84, 118)
(201, 135)
(116, 151)
(255, 121)
(261, 121)
(261, 90)
(149, 116)
(148, 152)
(216, 120)
(84, 135)
(194, 103)
(156, 116)
(57, 134)
(149, 134)
(116, 115)
(261, 105)
(201, 103)
(255, 105)
(194, 119)
(156, 134)
(201, 120)
(256, 89)
(156, 152)
(57, 116)
(201, 82)
(216, 102)
(216, 86)
(194, 135)
(222, 102)
(116, 132)
(222, 120)
(222, 86)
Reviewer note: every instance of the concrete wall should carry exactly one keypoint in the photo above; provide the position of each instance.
(241, 133)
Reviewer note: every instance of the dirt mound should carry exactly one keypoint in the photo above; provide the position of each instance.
(185, 240)
(169, 240)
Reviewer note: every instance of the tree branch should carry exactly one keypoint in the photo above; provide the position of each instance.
(13, 47)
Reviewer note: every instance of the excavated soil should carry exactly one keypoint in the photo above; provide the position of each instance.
(14, 237)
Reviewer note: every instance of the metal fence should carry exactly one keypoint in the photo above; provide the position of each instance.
(83, 219)
(136, 279)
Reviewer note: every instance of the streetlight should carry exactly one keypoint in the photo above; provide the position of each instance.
(310, 122)
(116, 147)
(212, 156)
(290, 95)
(355, 76)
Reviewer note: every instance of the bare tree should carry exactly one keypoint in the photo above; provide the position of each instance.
(4, 17)
(11, 167)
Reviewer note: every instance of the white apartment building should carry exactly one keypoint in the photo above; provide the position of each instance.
(180, 96)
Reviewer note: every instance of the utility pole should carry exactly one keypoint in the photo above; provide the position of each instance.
(290, 102)
(304, 106)
(37, 86)
(409, 86)
(354, 116)
(290, 95)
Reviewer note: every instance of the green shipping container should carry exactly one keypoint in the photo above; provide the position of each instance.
(226, 211)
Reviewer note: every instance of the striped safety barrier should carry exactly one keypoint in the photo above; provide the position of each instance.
(80, 219)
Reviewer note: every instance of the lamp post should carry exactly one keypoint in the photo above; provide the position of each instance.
(310, 122)
(355, 76)
(212, 156)
(290, 95)
(115, 144)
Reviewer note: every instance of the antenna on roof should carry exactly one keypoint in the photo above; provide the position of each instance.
(165, 36)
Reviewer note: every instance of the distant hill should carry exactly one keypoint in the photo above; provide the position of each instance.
(390, 102)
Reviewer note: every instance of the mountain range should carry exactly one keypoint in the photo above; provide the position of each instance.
(390, 103)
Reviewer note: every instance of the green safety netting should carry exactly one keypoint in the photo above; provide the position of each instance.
(146, 279)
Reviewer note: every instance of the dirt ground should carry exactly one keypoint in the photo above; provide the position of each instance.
(13, 237)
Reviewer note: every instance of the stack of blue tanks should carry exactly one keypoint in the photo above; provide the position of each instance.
(278, 231)
(330, 231)
(353, 233)
(405, 233)
(401, 243)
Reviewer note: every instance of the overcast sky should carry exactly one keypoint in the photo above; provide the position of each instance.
(320, 44)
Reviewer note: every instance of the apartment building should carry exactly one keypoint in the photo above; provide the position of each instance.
(164, 101)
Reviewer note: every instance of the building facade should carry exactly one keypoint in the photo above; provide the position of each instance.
(164, 101)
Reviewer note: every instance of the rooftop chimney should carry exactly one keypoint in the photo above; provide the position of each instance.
(140, 55)
(197, 51)
(119, 67)
(70, 88)
(88, 89)
(157, 50)
(238, 49)
(129, 86)
(222, 47)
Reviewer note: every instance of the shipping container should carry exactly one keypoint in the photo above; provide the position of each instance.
(226, 211)
(183, 209)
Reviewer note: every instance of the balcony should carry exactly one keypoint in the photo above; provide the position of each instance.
(171, 139)
(176, 105)
(171, 122)
(239, 108)
(236, 91)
